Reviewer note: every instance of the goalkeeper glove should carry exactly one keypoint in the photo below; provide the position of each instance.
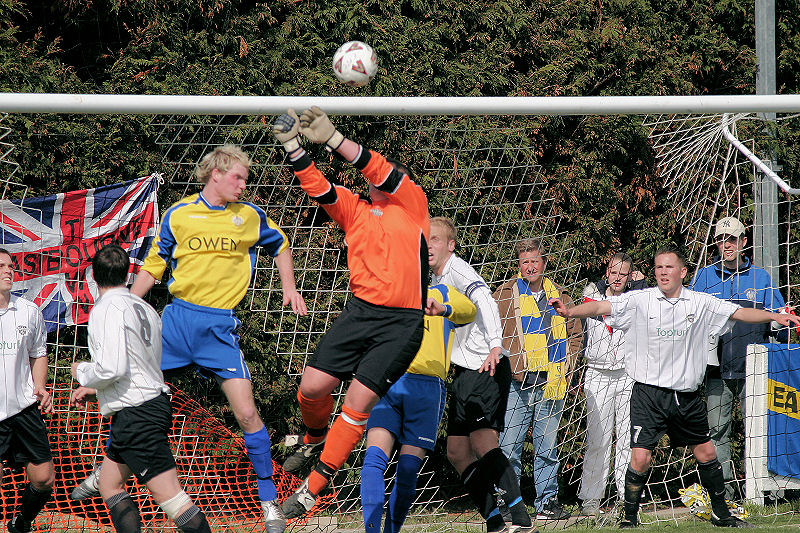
(286, 129)
(317, 127)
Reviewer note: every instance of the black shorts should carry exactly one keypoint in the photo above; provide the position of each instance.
(656, 411)
(373, 343)
(23, 438)
(478, 400)
(140, 438)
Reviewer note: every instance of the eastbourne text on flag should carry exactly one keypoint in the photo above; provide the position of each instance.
(53, 239)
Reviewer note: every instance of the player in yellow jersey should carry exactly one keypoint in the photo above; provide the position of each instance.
(410, 413)
(209, 241)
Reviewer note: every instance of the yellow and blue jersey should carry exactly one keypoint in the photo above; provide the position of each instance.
(433, 357)
(211, 250)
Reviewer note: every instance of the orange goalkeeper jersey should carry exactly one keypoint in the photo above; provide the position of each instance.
(387, 241)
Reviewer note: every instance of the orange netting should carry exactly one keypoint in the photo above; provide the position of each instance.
(212, 465)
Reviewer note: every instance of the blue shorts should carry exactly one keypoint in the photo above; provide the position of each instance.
(204, 337)
(411, 410)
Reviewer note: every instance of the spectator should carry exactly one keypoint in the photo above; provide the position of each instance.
(731, 276)
(543, 348)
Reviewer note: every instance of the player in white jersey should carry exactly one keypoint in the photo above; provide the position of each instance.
(479, 390)
(667, 333)
(23, 435)
(125, 374)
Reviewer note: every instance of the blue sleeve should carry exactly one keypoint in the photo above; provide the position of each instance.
(270, 236)
(699, 283)
(162, 248)
(773, 299)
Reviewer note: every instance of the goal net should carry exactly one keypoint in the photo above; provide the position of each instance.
(501, 179)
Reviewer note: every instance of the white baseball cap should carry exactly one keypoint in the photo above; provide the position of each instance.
(729, 226)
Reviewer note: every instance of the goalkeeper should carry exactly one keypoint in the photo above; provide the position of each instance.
(380, 330)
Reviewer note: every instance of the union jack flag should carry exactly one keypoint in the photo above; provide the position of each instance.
(53, 239)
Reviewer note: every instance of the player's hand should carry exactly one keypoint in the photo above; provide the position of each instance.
(286, 129)
(45, 400)
(637, 275)
(559, 307)
(785, 319)
(317, 127)
(296, 300)
(77, 398)
(491, 362)
(74, 369)
(434, 307)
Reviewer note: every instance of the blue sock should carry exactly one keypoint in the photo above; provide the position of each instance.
(258, 451)
(373, 488)
(405, 488)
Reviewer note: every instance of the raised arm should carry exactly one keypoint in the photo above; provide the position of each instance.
(395, 184)
(338, 202)
(455, 306)
(584, 310)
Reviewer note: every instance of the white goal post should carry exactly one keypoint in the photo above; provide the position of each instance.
(378, 106)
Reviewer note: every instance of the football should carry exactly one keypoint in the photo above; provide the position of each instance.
(355, 63)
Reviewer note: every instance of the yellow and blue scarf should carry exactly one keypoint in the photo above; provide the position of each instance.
(543, 335)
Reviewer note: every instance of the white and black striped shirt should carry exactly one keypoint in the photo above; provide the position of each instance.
(666, 339)
(22, 337)
(125, 343)
(473, 341)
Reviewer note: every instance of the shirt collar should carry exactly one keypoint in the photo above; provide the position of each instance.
(12, 303)
(208, 205)
(115, 290)
(448, 264)
(684, 295)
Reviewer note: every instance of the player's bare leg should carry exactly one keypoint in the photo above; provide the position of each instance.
(168, 494)
(123, 510)
(256, 438)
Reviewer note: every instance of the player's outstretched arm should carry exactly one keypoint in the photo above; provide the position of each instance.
(584, 310)
(286, 272)
(144, 282)
(759, 316)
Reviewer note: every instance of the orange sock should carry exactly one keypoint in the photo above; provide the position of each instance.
(347, 430)
(316, 413)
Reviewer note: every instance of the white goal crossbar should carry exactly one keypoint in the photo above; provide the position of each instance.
(373, 105)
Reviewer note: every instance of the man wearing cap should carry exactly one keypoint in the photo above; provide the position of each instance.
(731, 276)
